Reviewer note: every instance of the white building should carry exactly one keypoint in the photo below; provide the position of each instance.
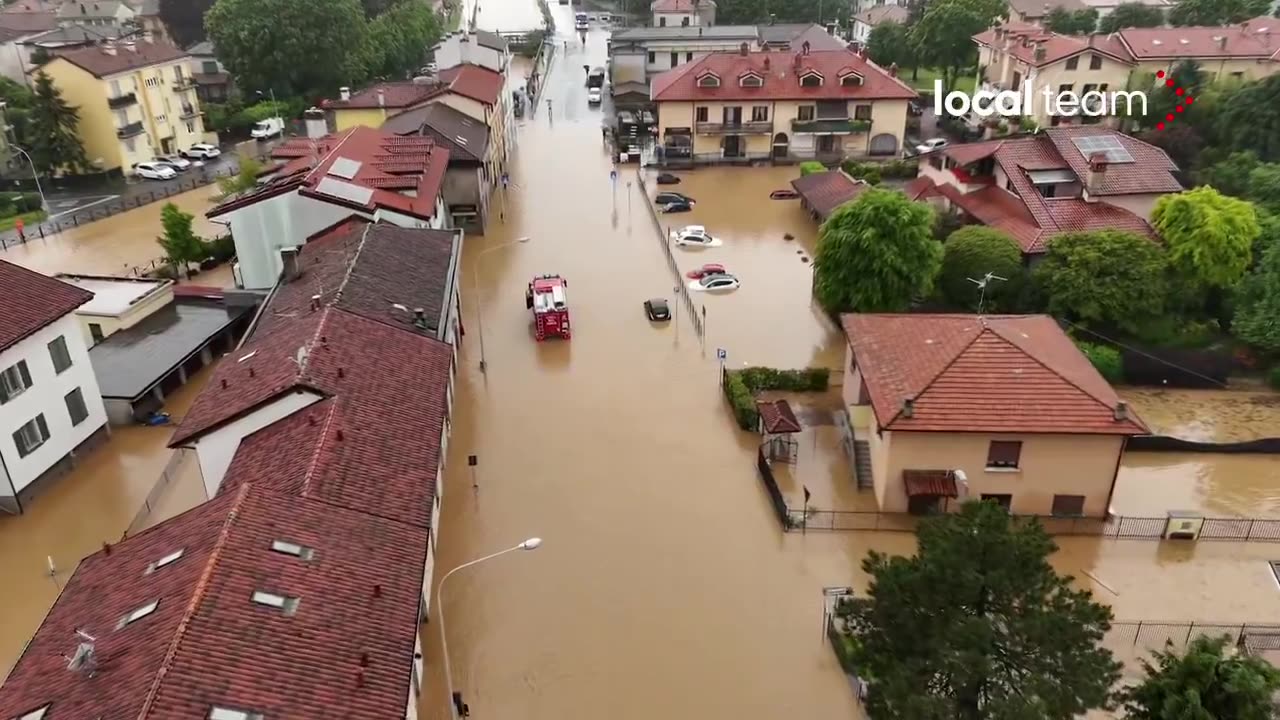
(50, 407)
(866, 20)
(638, 53)
(479, 47)
(683, 13)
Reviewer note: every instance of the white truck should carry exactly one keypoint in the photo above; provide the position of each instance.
(268, 128)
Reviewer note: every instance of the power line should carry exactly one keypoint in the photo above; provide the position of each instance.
(1143, 353)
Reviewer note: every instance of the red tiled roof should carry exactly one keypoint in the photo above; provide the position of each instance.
(932, 483)
(14, 25)
(920, 188)
(208, 644)
(1023, 39)
(395, 96)
(778, 417)
(472, 81)
(1151, 170)
(1256, 38)
(781, 76)
(972, 152)
(965, 373)
(672, 6)
(380, 155)
(826, 191)
(96, 61)
(30, 301)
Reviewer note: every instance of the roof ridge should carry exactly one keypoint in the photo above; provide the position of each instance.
(351, 265)
(315, 456)
(942, 370)
(1044, 365)
(202, 587)
(330, 153)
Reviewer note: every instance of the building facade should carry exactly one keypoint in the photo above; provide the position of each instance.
(683, 13)
(213, 82)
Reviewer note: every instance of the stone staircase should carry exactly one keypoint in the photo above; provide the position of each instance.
(862, 463)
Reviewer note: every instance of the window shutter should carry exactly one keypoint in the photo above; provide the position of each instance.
(4, 390)
(26, 374)
(44, 427)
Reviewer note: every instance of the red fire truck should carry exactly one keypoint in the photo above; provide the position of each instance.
(546, 298)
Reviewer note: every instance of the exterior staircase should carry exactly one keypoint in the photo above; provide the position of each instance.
(862, 463)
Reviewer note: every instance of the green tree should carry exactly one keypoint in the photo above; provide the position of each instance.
(295, 48)
(1230, 176)
(1209, 235)
(889, 43)
(185, 19)
(1207, 682)
(18, 100)
(876, 254)
(1163, 99)
(401, 37)
(1264, 187)
(1202, 13)
(1180, 140)
(181, 245)
(1131, 15)
(977, 625)
(1069, 22)
(1257, 307)
(245, 179)
(972, 252)
(52, 139)
(943, 37)
(1249, 118)
(1105, 277)
(809, 167)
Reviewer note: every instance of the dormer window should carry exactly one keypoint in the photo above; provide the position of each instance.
(851, 79)
(811, 78)
(751, 79)
(709, 80)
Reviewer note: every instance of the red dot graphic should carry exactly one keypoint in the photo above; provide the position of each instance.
(1168, 83)
(1159, 126)
(1179, 108)
(1159, 73)
(1169, 116)
(1188, 100)
(1178, 91)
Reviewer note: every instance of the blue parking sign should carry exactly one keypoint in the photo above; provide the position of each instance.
(721, 354)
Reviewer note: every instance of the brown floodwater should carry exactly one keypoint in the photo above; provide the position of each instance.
(115, 245)
(1208, 415)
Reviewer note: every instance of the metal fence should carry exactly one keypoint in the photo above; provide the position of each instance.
(698, 318)
(172, 470)
(1156, 635)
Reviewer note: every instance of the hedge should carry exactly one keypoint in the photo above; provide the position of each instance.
(891, 169)
(1273, 377)
(741, 386)
(16, 203)
(1105, 359)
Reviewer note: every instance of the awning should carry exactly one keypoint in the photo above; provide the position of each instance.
(930, 483)
(777, 417)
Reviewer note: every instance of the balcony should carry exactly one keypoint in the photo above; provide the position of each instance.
(186, 82)
(121, 101)
(741, 128)
(831, 126)
(133, 129)
(188, 112)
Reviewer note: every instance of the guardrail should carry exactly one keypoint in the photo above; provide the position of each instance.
(664, 240)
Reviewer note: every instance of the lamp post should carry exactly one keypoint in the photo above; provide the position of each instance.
(530, 544)
(44, 204)
(476, 283)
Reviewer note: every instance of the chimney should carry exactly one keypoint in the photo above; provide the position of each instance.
(743, 49)
(382, 98)
(420, 318)
(83, 11)
(908, 408)
(313, 120)
(1221, 40)
(766, 62)
(1041, 52)
(1097, 173)
(315, 303)
(804, 49)
(344, 93)
(106, 546)
(893, 70)
(289, 260)
(147, 36)
(364, 659)
(1121, 412)
(796, 61)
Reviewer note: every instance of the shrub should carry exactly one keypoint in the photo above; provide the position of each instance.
(741, 386)
(900, 169)
(741, 400)
(221, 248)
(810, 167)
(7, 210)
(1273, 377)
(1105, 359)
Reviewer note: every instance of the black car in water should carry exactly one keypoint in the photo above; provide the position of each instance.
(657, 309)
(677, 207)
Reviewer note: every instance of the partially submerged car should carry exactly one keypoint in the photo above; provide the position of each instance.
(705, 270)
(657, 309)
(695, 236)
(713, 283)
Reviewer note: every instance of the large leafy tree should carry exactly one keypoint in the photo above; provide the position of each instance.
(889, 43)
(1249, 118)
(876, 254)
(1216, 12)
(977, 626)
(401, 37)
(185, 19)
(1181, 141)
(1230, 176)
(1131, 15)
(1209, 235)
(1257, 305)
(1072, 22)
(293, 48)
(51, 131)
(969, 254)
(1105, 277)
(1264, 187)
(18, 100)
(1207, 682)
(181, 244)
(943, 37)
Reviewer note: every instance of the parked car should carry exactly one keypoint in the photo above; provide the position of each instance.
(668, 179)
(657, 309)
(203, 151)
(175, 161)
(268, 128)
(667, 196)
(705, 270)
(695, 236)
(594, 96)
(930, 145)
(712, 283)
(678, 206)
(154, 171)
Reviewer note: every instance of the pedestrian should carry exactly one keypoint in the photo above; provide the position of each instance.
(21, 227)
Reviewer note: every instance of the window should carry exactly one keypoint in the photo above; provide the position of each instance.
(850, 80)
(684, 22)
(804, 113)
(1095, 62)
(76, 407)
(760, 113)
(209, 67)
(675, 59)
(166, 560)
(861, 112)
(1065, 88)
(177, 73)
(1004, 501)
(115, 88)
(688, 57)
(138, 614)
(1068, 505)
(58, 353)
(221, 713)
(162, 118)
(1047, 191)
(700, 115)
(151, 82)
(1073, 62)
(288, 604)
(167, 108)
(751, 80)
(708, 81)
(95, 331)
(811, 80)
(1003, 454)
(13, 381)
(285, 547)
(662, 21)
(191, 126)
(653, 57)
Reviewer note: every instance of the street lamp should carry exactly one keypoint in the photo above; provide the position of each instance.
(531, 544)
(44, 204)
(476, 282)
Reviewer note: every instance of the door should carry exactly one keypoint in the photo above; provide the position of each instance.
(732, 146)
(826, 143)
(780, 146)
(733, 116)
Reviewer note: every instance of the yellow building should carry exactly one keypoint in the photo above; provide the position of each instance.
(136, 100)
(1005, 408)
(741, 106)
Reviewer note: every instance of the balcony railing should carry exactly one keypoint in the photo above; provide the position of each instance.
(124, 100)
(830, 125)
(188, 112)
(186, 82)
(130, 130)
(742, 128)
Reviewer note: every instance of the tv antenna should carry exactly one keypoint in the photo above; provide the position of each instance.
(85, 660)
(982, 288)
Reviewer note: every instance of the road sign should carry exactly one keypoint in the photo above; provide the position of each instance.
(472, 460)
(613, 175)
(506, 180)
(721, 353)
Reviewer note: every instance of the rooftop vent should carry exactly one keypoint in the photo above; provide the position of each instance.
(1121, 412)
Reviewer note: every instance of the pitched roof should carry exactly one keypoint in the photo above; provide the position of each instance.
(74, 10)
(207, 643)
(391, 95)
(100, 63)
(781, 73)
(777, 416)
(383, 164)
(883, 13)
(826, 191)
(1151, 170)
(465, 137)
(491, 40)
(30, 301)
(1041, 8)
(677, 6)
(1253, 39)
(686, 32)
(204, 47)
(969, 373)
(1024, 39)
(472, 81)
(14, 25)
(791, 36)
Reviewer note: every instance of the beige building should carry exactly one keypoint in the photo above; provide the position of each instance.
(1002, 408)
(118, 303)
(821, 104)
(683, 13)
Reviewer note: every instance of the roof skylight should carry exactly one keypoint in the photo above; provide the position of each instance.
(221, 713)
(37, 714)
(288, 604)
(288, 548)
(138, 614)
(1107, 144)
(166, 560)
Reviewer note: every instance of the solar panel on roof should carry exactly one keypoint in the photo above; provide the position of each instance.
(1090, 144)
(344, 190)
(344, 168)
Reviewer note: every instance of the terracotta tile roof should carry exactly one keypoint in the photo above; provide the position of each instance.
(1023, 39)
(972, 152)
(14, 25)
(96, 61)
(472, 81)
(778, 417)
(672, 6)
(208, 644)
(379, 155)
(965, 373)
(395, 96)
(466, 138)
(793, 36)
(826, 191)
(30, 301)
(883, 13)
(1255, 39)
(781, 78)
(934, 483)
(920, 188)
(1151, 170)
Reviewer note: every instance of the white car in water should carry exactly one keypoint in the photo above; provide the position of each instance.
(202, 151)
(695, 236)
(714, 283)
(154, 171)
(593, 96)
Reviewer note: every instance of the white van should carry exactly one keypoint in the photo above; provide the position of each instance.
(268, 128)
